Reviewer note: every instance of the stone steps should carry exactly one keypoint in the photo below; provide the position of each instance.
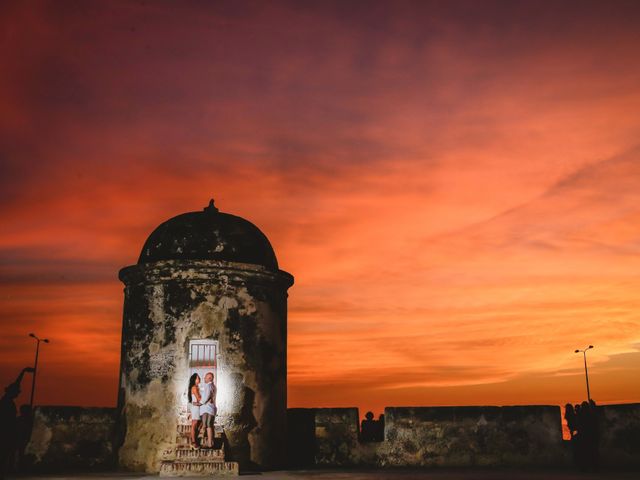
(186, 436)
(201, 462)
(184, 441)
(188, 469)
(185, 428)
(201, 454)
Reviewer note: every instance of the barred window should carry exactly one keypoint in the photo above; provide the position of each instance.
(203, 353)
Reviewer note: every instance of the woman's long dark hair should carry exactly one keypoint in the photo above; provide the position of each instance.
(192, 382)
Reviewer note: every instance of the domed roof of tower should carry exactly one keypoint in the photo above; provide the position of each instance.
(209, 235)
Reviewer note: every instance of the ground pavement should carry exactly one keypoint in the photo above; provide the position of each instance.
(433, 474)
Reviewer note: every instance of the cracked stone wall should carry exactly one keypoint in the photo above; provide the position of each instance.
(81, 438)
(431, 436)
(620, 435)
(243, 307)
(465, 436)
(337, 432)
(72, 438)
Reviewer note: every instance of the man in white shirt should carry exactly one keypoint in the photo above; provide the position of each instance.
(208, 406)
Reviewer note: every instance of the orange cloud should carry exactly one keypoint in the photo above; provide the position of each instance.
(455, 190)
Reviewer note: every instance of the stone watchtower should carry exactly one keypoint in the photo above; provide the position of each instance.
(205, 296)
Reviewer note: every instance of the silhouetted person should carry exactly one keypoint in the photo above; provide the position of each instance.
(593, 445)
(8, 423)
(372, 430)
(576, 418)
(570, 417)
(380, 428)
(585, 442)
(24, 427)
(582, 435)
(368, 428)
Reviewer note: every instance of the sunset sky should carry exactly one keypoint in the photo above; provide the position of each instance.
(454, 185)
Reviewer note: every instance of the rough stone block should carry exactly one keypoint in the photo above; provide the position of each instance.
(620, 435)
(336, 436)
(72, 438)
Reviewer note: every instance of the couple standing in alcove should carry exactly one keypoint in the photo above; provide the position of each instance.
(202, 404)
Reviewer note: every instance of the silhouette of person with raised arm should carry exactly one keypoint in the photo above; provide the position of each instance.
(8, 422)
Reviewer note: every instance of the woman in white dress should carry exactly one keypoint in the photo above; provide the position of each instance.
(194, 406)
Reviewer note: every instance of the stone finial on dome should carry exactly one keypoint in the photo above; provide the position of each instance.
(211, 208)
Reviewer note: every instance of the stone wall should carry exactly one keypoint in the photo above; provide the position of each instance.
(82, 438)
(241, 306)
(72, 438)
(472, 436)
(620, 435)
(432, 436)
(337, 431)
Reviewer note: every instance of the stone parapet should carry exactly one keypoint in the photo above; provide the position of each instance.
(83, 438)
(472, 436)
(66, 438)
(620, 435)
(429, 436)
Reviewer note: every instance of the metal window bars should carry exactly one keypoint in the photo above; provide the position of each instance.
(202, 355)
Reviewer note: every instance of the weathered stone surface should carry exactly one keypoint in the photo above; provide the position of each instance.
(72, 438)
(66, 438)
(472, 436)
(336, 431)
(183, 461)
(241, 306)
(187, 469)
(620, 435)
(205, 276)
(209, 235)
(432, 436)
(394, 474)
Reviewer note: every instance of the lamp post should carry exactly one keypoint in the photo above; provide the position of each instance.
(586, 373)
(35, 366)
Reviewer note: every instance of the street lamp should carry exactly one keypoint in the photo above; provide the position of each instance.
(586, 373)
(35, 367)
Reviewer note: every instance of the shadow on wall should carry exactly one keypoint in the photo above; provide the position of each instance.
(237, 441)
(301, 437)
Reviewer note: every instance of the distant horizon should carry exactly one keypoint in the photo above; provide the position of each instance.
(455, 187)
